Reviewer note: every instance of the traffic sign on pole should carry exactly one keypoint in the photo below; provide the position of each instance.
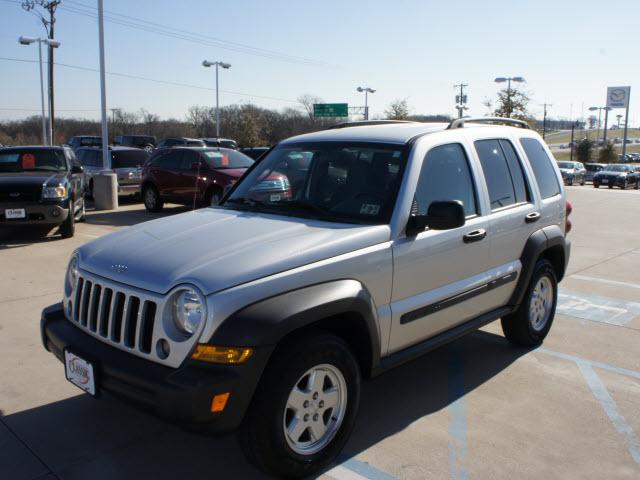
(330, 109)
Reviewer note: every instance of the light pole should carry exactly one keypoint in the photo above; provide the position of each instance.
(206, 63)
(619, 117)
(53, 44)
(606, 120)
(509, 80)
(366, 91)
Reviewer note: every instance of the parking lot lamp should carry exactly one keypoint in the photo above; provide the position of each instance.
(606, 120)
(54, 44)
(226, 66)
(509, 80)
(366, 91)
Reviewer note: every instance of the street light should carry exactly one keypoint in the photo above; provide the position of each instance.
(54, 44)
(509, 80)
(366, 91)
(206, 63)
(606, 120)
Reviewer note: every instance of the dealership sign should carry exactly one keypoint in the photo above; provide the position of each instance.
(618, 97)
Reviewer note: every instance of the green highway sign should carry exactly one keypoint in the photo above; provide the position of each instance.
(330, 109)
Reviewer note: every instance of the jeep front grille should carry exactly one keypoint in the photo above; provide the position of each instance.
(119, 317)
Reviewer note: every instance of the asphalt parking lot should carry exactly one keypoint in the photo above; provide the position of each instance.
(477, 408)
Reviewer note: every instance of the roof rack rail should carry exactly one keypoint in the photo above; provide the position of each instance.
(459, 122)
(364, 123)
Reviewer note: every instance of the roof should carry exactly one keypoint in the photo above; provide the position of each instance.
(111, 147)
(399, 133)
(34, 147)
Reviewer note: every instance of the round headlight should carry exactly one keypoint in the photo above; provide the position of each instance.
(188, 310)
(72, 273)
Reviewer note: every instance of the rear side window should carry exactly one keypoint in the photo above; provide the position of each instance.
(517, 174)
(542, 167)
(502, 192)
(128, 158)
(445, 175)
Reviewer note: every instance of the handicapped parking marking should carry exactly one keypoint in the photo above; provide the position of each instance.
(596, 308)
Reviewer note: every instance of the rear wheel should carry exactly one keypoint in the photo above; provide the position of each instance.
(637, 184)
(530, 324)
(151, 199)
(596, 185)
(304, 408)
(81, 215)
(624, 185)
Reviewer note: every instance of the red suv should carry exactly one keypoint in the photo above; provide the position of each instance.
(190, 176)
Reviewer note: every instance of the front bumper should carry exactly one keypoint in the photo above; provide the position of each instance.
(615, 181)
(182, 395)
(35, 213)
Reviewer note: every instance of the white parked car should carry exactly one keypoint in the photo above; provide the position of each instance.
(263, 314)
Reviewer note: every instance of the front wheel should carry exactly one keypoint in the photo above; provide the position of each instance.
(596, 185)
(530, 323)
(68, 227)
(304, 408)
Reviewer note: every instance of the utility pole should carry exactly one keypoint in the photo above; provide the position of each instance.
(461, 100)
(626, 127)
(50, 6)
(544, 119)
(571, 145)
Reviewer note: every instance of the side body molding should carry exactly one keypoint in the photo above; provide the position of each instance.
(547, 238)
(268, 321)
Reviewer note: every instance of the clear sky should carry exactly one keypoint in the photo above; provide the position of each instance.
(569, 51)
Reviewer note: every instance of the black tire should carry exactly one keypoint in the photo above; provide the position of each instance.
(518, 327)
(89, 193)
(596, 185)
(68, 227)
(583, 181)
(624, 185)
(82, 213)
(262, 433)
(610, 185)
(212, 197)
(637, 184)
(152, 200)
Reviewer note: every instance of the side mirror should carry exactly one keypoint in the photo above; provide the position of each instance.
(441, 215)
(77, 169)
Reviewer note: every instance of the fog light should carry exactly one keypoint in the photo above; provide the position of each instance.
(219, 402)
(212, 354)
(55, 212)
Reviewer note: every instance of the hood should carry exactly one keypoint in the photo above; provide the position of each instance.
(30, 180)
(216, 249)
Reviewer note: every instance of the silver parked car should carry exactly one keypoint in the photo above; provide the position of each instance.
(126, 162)
(264, 313)
(572, 172)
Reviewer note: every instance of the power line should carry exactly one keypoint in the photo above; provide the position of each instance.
(168, 31)
(154, 80)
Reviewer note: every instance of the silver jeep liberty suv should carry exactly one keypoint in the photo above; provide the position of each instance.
(264, 313)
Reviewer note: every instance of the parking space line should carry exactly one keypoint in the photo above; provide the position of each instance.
(457, 419)
(604, 280)
(341, 473)
(596, 308)
(603, 366)
(611, 409)
(362, 469)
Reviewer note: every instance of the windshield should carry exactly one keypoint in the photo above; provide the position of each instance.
(128, 158)
(617, 168)
(349, 183)
(91, 141)
(219, 159)
(565, 164)
(37, 159)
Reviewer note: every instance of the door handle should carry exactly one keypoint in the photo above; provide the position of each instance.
(475, 236)
(532, 217)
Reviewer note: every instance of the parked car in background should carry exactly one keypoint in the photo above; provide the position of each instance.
(41, 186)
(84, 141)
(572, 172)
(617, 175)
(126, 162)
(181, 142)
(254, 152)
(145, 142)
(592, 169)
(190, 176)
(220, 142)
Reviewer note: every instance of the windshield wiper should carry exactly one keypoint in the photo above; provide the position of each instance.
(250, 202)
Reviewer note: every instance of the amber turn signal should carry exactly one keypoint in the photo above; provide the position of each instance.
(219, 402)
(213, 354)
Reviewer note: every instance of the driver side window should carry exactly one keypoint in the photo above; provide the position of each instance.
(445, 175)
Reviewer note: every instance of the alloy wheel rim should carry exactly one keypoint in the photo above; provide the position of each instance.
(150, 198)
(541, 304)
(315, 409)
